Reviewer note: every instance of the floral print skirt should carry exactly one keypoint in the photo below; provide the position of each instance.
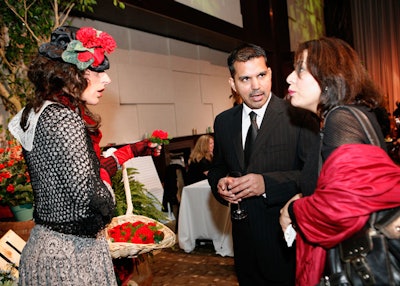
(53, 258)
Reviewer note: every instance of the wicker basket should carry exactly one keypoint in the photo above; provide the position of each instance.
(127, 249)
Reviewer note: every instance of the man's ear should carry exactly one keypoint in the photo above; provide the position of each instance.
(232, 83)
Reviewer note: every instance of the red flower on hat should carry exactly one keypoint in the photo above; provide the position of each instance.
(108, 42)
(85, 56)
(88, 37)
(98, 56)
(88, 48)
(91, 38)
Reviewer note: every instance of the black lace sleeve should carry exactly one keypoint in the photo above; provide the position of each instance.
(341, 127)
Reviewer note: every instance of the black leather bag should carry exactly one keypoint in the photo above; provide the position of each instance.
(372, 255)
(368, 257)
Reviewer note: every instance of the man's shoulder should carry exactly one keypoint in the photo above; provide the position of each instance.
(298, 117)
(230, 112)
(283, 106)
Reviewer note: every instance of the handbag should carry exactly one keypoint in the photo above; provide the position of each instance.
(372, 255)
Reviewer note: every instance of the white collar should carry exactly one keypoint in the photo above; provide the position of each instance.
(260, 111)
(26, 137)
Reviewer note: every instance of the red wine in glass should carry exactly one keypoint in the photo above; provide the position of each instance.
(237, 214)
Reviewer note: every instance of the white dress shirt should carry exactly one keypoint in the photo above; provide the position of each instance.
(246, 118)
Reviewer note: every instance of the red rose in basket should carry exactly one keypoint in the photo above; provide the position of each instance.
(137, 232)
(159, 137)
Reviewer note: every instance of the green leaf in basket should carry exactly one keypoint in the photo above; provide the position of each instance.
(144, 203)
(158, 236)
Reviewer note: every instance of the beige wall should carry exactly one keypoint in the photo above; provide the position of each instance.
(159, 83)
(227, 10)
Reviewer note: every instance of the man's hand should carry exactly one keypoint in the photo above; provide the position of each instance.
(234, 190)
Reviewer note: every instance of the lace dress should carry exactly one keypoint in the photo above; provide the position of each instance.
(72, 205)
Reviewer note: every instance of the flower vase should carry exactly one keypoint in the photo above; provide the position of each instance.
(23, 212)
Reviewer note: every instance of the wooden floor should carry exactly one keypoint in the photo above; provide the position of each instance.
(172, 267)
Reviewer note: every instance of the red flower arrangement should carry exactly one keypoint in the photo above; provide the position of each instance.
(88, 48)
(159, 137)
(15, 187)
(137, 232)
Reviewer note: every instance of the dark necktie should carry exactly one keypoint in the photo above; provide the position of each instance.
(251, 137)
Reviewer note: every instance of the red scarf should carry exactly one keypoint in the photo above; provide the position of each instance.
(356, 180)
(95, 135)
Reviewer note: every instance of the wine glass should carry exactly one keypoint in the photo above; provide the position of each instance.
(238, 214)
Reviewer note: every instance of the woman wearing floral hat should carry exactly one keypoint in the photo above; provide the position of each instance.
(60, 137)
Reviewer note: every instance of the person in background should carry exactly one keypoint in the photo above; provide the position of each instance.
(236, 99)
(396, 112)
(356, 178)
(200, 159)
(270, 174)
(174, 181)
(73, 199)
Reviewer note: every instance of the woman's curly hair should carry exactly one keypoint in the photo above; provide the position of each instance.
(60, 82)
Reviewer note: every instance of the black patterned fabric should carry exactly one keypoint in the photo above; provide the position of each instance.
(69, 195)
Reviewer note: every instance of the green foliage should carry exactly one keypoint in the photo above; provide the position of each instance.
(18, 45)
(144, 203)
(6, 275)
(120, 4)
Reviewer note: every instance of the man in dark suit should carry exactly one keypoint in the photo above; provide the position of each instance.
(270, 175)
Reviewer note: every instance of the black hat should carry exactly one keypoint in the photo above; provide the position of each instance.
(84, 47)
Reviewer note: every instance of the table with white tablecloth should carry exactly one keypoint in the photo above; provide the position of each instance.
(201, 216)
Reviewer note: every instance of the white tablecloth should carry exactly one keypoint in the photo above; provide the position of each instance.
(201, 216)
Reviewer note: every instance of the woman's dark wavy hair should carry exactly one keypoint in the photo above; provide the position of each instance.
(60, 82)
(340, 74)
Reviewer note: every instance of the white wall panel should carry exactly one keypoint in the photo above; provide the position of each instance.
(191, 113)
(142, 84)
(156, 116)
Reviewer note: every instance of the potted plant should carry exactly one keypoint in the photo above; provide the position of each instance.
(15, 188)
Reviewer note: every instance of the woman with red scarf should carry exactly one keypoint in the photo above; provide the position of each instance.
(356, 178)
(73, 199)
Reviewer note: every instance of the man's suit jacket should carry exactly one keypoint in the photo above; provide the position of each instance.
(279, 152)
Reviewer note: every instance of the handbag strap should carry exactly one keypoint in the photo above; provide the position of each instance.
(366, 124)
(372, 136)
